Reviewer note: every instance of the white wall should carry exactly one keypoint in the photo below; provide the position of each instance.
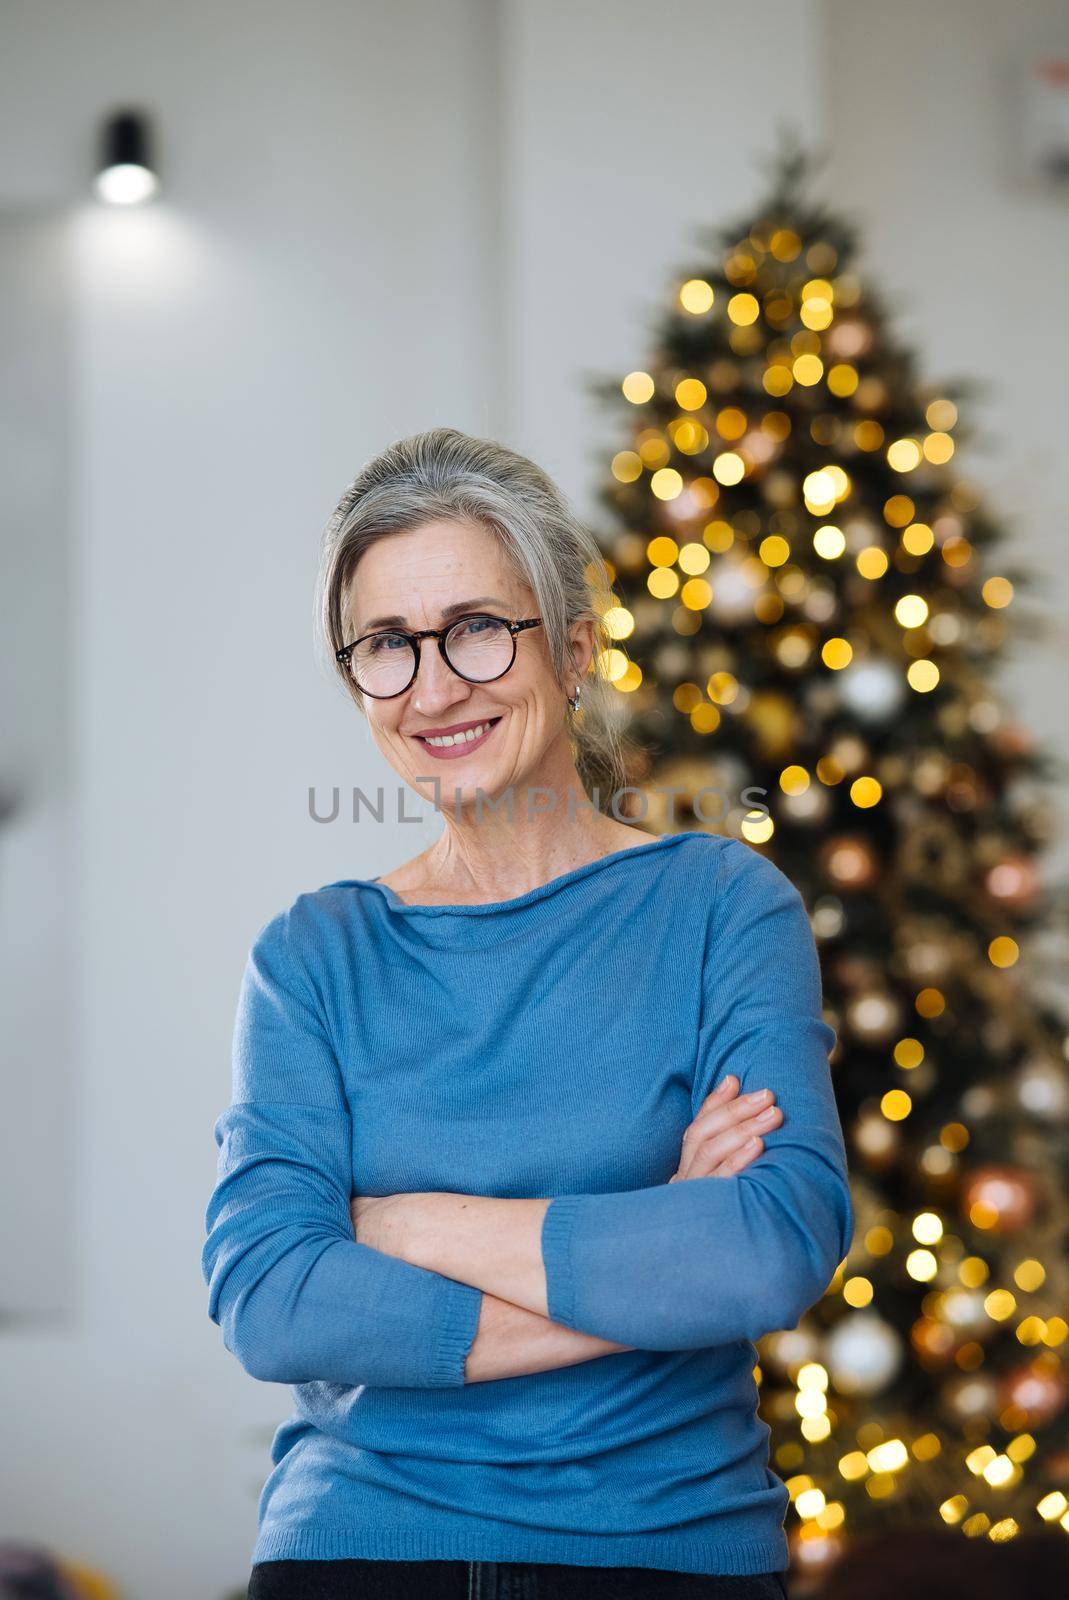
(376, 218)
(630, 127)
(38, 669)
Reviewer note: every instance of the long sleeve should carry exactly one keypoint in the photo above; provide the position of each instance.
(705, 1261)
(296, 1296)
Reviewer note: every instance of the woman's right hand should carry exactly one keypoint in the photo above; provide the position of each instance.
(725, 1136)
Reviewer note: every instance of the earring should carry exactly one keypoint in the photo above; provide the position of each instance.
(574, 701)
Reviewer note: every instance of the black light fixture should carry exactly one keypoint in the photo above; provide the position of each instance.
(125, 176)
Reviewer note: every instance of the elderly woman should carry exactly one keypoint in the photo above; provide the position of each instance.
(530, 1138)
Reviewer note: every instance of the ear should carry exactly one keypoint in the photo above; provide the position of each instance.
(582, 645)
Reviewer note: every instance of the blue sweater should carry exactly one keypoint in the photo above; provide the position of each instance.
(556, 1044)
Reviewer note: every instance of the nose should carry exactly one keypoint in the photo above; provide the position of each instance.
(436, 685)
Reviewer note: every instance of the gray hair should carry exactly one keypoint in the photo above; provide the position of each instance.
(444, 474)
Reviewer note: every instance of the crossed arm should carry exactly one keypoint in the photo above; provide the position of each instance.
(674, 1267)
(495, 1245)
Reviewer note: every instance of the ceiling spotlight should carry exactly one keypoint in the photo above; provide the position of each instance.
(125, 176)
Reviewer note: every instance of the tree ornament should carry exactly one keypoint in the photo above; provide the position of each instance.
(849, 861)
(864, 1353)
(1013, 881)
(999, 1198)
(971, 1396)
(1042, 1088)
(873, 690)
(1036, 1391)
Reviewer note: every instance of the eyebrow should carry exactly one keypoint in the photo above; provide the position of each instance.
(458, 609)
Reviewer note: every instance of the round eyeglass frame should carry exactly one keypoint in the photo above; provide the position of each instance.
(440, 636)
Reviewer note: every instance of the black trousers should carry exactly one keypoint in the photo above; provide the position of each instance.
(498, 1580)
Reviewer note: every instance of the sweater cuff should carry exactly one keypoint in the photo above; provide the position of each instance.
(459, 1305)
(557, 1258)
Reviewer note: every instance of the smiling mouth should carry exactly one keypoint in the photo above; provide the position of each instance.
(465, 736)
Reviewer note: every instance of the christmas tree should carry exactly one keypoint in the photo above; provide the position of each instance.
(805, 608)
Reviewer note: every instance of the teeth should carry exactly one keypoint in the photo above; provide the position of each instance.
(466, 737)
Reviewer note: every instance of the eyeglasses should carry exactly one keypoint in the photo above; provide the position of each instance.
(477, 647)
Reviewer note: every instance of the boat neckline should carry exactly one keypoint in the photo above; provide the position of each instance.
(530, 896)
